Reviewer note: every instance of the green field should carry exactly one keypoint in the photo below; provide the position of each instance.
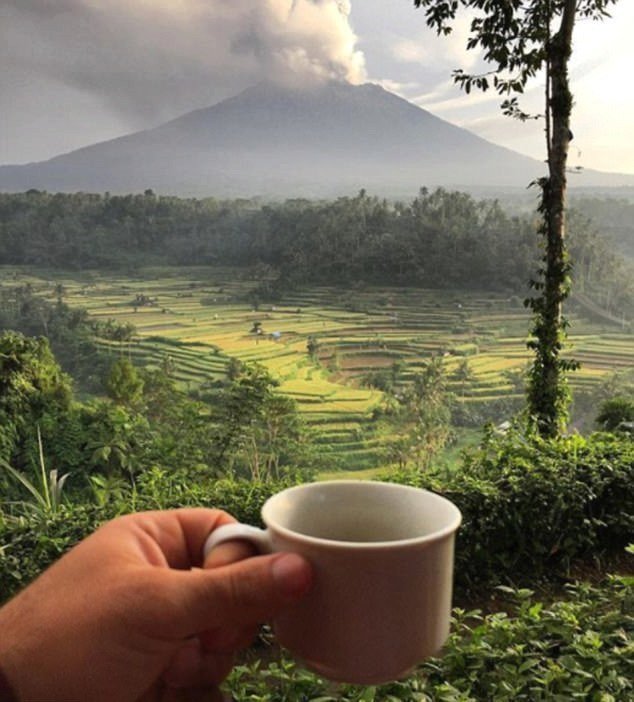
(199, 318)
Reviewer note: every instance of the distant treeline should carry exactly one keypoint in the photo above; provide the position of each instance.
(438, 239)
(616, 218)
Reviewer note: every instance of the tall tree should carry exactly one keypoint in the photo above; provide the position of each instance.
(123, 383)
(421, 420)
(257, 432)
(520, 38)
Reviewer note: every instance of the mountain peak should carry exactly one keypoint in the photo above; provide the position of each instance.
(275, 139)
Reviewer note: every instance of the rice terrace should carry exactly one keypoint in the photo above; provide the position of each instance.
(200, 319)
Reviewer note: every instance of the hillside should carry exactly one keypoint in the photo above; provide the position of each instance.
(368, 339)
(274, 141)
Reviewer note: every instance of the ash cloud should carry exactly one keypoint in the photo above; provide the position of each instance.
(153, 59)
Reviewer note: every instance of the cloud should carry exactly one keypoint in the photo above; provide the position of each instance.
(429, 50)
(156, 58)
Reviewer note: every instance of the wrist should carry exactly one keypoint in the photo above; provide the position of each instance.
(11, 645)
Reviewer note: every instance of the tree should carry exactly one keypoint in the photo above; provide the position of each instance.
(115, 437)
(33, 390)
(423, 418)
(520, 38)
(234, 368)
(258, 432)
(463, 374)
(616, 412)
(123, 384)
(312, 347)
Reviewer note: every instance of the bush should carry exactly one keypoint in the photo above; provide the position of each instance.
(615, 413)
(531, 506)
(575, 649)
(32, 542)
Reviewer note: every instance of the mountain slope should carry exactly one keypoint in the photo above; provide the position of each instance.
(270, 140)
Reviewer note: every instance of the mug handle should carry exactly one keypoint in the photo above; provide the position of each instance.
(260, 538)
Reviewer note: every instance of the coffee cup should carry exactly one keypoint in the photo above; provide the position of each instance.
(382, 556)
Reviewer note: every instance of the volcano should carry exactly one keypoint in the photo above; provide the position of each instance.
(274, 141)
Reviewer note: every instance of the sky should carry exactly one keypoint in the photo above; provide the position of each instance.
(75, 72)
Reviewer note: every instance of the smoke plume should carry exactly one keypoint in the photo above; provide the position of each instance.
(157, 58)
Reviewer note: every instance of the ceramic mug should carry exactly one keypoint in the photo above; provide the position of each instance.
(382, 555)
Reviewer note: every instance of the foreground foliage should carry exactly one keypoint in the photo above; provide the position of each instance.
(577, 649)
(531, 508)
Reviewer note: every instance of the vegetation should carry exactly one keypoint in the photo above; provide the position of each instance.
(106, 444)
(440, 239)
(218, 386)
(531, 508)
(579, 648)
(520, 40)
(616, 215)
(352, 392)
(617, 413)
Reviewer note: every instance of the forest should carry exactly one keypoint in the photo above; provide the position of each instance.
(440, 239)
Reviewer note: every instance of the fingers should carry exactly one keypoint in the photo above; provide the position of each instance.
(174, 537)
(229, 552)
(239, 595)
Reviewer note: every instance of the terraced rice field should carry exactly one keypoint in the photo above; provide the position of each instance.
(199, 318)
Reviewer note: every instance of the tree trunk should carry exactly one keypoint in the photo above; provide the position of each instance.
(547, 391)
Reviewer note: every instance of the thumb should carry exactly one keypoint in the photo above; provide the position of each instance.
(242, 594)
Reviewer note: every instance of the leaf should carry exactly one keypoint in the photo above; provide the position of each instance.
(45, 490)
(57, 487)
(20, 477)
(527, 664)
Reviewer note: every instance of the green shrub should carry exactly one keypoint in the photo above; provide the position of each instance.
(577, 649)
(529, 506)
(615, 413)
(30, 543)
(532, 506)
(159, 489)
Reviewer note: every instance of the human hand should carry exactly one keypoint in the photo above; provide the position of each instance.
(128, 615)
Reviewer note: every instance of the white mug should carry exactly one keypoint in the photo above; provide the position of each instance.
(382, 556)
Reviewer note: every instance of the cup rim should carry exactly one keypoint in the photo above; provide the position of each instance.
(437, 535)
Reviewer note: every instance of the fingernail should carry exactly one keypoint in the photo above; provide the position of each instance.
(292, 575)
